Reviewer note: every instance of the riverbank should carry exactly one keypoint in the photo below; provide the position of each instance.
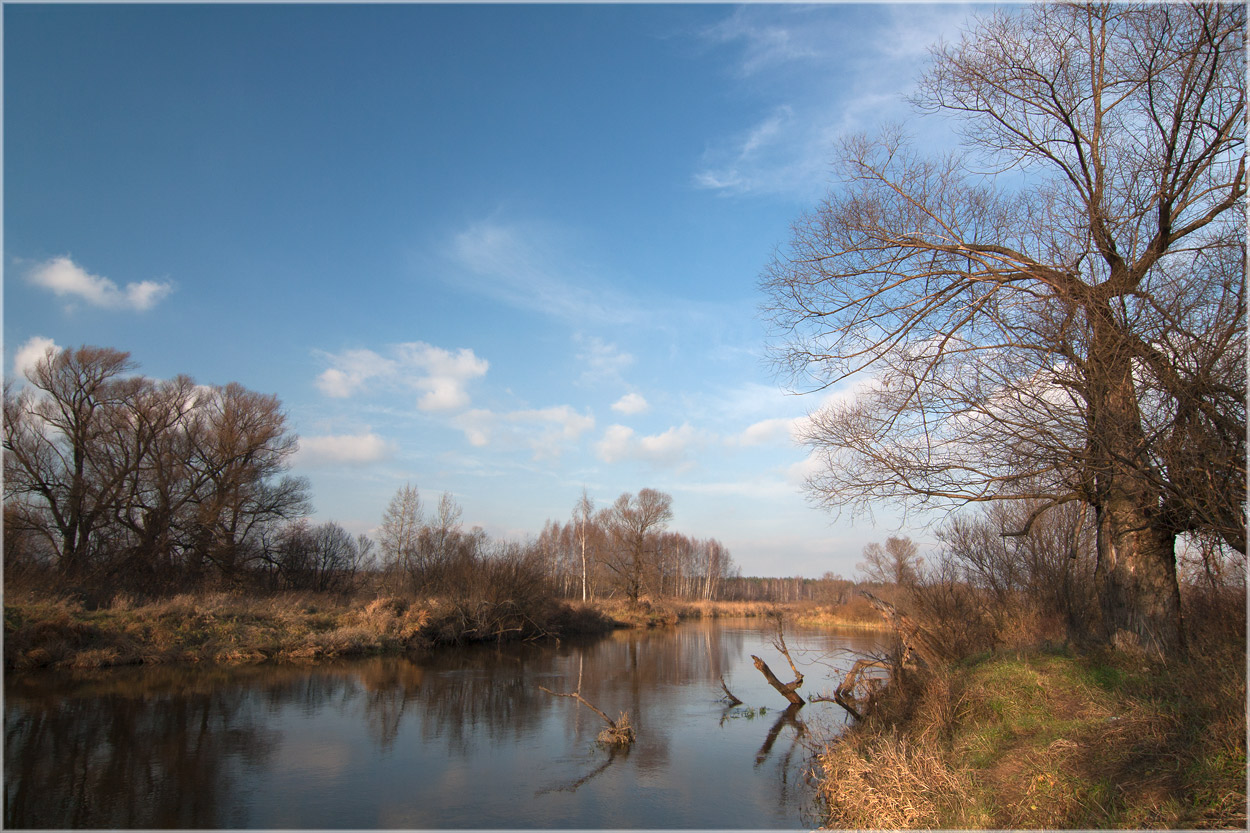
(230, 628)
(1049, 739)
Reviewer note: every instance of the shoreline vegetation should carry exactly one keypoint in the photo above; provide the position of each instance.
(1047, 738)
(229, 628)
(1039, 732)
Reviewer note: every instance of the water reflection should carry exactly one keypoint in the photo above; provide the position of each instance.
(410, 742)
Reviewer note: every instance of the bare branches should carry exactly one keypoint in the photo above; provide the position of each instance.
(1062, 331)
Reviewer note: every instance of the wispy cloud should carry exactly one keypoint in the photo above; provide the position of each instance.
(344, 449)
(765, 43)
(440, 376)
(818, 73)
(67, 279)
(604, 362)
(30, 353)
(535, 266)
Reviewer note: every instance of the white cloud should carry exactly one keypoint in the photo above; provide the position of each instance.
(348, 449)
(545, 431)
(766, 431)
(66, 278)
(631, 403)
(352, 369)
(620, 442)
(441, 376)
(35, 348)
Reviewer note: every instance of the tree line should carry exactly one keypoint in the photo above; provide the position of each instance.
(624, 549)
(115, 480)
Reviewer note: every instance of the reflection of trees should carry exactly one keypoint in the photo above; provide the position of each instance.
(613, 753)
(172, 747)
(120, 761)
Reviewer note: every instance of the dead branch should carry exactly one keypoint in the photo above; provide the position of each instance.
(733, 700)
(916, 640)
(786, 691)
(780, 644)
(619, 731)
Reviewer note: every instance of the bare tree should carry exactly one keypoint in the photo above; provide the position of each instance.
(320, 558)
(1067, 325)
(241, 454)
(400, 533)
(634, 522)
(136, 480)
(58, 468)
(898, 562)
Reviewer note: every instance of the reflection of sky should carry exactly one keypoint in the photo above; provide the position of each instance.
(467, 740)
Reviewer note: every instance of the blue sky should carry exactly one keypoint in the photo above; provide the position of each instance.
(501, 251)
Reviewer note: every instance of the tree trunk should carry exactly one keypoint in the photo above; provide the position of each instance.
(1136, 568)
(1136, 578)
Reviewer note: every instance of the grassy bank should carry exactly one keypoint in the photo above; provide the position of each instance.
(229, 628)
(301, 627)
(1047, 739)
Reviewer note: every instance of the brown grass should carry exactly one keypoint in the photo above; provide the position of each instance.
(239, 629)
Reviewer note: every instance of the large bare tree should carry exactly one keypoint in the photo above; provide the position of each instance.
(634, 523)
(1055, 312)
(898, 562)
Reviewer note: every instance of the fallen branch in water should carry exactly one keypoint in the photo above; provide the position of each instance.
(618, 733)
(733, 701)
(844, 694)
(786, 691)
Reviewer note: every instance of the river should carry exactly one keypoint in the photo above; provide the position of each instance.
(457, 738)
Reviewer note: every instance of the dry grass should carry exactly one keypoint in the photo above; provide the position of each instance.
(239, 629)
(1053, 740)
(892, 783)
(622, 734)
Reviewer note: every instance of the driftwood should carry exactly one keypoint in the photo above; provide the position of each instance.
(618, 733)
(844, 694)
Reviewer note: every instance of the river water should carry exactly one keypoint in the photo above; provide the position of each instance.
(458, 738)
